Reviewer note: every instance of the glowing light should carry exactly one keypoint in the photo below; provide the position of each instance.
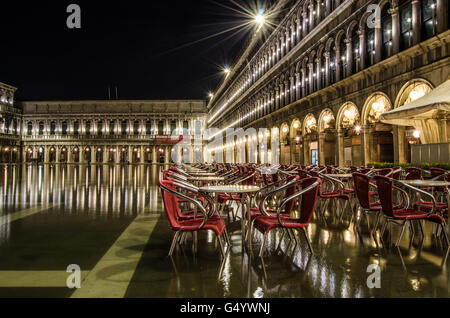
(296, 125)
(416, 134)
(285, 129)
(358, 129)
(326, 119)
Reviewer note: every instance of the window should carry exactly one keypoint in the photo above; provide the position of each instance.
(370, 47)
(198, 128)
(186, 127)
(429, 21)
(112, 127)
(161, 127)
(148, 128)
(64, 128)
(124, 128)
(333, 66)
(15, 126)
(76, 128)
(386, 21)
(136, 128)
(173, 127)
(7, 122)
(88, 128)
(30, 129)
(41, 128)
(343, 61)
(406, 36)
(322, 72)
(323, 9)
(52, 128)
(100, 128)
(356, 63)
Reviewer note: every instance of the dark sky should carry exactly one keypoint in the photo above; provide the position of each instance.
(136, 45)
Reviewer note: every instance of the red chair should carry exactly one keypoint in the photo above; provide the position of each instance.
(413, 173)
(362, 189)
(395, 215)
(180, 226)
(264, 224)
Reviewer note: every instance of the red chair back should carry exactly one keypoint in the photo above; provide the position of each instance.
(385, 194)
(308, 199)
(170, 202)
(361, 182)
(413, 173)
(384, 172)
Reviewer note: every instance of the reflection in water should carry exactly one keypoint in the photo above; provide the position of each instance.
(106, 190)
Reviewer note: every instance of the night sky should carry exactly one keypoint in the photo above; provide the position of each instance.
(138, 46)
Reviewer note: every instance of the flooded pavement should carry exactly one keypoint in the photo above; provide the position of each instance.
(109, 221)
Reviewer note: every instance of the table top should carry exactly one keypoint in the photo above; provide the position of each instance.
(206, 178)
(230, 189)
(341, 175)
(426, 183)
(202, 174)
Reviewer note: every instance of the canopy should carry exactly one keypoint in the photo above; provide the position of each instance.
(427, 114)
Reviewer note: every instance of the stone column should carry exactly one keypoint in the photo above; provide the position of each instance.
(362, 49)
(341, 148)
(117, 154)
(319, 73)
(311, 77)
(349, 57)
(93, 155)
(46, 154)
(366, 144)
(328, 6)
(288, 40)
(338, 64)
(395, 30)
(327, 68)
(155, 155)
(143, 153)
(305, 24)
(299, 30)
(322, 148)
(69, 154)
(401, 144)
(293, 89)
(283, 48)
(286, 92)
(303, 70)
(378, 44)
(105, 154)
(311, 16)
(82, 155)
(57, 154)
(416, 21)
(298, 86)
(167, 154)
(282, 100)
(319, 11)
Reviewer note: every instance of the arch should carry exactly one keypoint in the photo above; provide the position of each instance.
(368, 111)
(309, 124)
(338, 38)
(343, 118)
(402, 96)
(325, 122)
(329, 43)
(350, 28)
(363, 20)
(296, 125)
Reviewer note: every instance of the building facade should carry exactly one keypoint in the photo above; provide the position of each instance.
(326, 73)
(110, 131)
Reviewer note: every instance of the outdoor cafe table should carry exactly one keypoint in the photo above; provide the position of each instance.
(206, 179)
(234, 189)
(432, 183)
(340, 175)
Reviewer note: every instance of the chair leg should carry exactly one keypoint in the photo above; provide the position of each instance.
(444, 230)
(308, 241)
(383, 230)
(401, 233)
(374, 231)
(261, 251)
(219, 238)
(174, 243)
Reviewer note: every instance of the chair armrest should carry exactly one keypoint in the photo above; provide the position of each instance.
(433, 199)
(262, 209)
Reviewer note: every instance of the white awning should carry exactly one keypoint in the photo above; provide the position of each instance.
(425, 114)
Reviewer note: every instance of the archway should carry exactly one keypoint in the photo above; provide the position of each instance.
(349, 135)
(124, 155)
(112, 155)
(378, 145)
(52, 155)
(407, 136)
(99, 155)
(296, 137)
(64, 154)
(76, 155)
(285, 145)
(87, 155)
(310, 141)
(29, 155)
(161, 155)
(136, 157)
(327, 138)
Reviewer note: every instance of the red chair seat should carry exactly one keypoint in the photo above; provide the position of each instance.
(331, 195)
(222, 198)
(254, 212)
(411, 214)
(427, 206)
(214, 224)
(265, 224)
